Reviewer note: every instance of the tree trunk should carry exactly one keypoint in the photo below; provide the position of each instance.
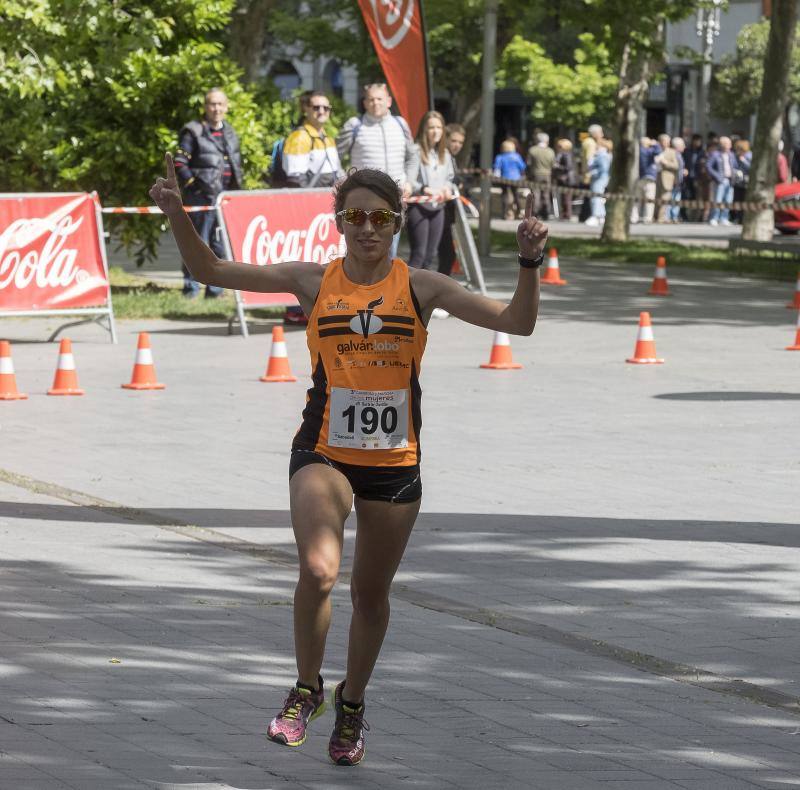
(247, 35)
(759, 223)
(635, 71)
(470, 119)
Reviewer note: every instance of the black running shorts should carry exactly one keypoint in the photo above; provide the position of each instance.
(399, 484)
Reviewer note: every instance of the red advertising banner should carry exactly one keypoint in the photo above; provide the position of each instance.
(277, 225)
(398, 36)
(51, 253)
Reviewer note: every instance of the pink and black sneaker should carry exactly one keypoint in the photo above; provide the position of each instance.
(346, 746)
(302, 706)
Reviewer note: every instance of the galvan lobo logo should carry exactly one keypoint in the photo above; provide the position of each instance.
(365, 323)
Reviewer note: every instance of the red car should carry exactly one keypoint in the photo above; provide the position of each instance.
(787, 220)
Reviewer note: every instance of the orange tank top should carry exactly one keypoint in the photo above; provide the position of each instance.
(366, 344)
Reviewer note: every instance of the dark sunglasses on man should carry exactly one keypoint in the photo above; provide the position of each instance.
(321, 107)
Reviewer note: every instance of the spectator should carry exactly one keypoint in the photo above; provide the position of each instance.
(541, 159)
(564, 176)
(674, 210)
(381, 141)
(694, 160)
(644, 204)
(589, 145)
(454, 137)
(508, 164)
(435, 179)
(207, 162)
(310, 157)
(600, 172)
(667, 168)
(782, 164)
(741, 176)
(721, 168)
(708, 187)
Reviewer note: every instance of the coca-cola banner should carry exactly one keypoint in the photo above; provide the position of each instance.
(398, 35)
(277, 225)
(50, 253)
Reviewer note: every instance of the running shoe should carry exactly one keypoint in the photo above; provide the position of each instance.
(346, 746)
(302, 706)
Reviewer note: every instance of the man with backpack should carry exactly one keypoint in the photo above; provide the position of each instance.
(309, 157)
(381, 141)
(207, 162)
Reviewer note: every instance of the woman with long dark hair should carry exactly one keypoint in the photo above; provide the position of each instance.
(358, 443)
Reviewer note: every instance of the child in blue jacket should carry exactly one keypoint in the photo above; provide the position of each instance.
(510, 165)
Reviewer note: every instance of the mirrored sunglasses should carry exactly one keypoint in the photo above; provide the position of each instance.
(379, 218)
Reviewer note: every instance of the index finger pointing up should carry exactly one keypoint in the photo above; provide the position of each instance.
(529, 206)
(171, 177)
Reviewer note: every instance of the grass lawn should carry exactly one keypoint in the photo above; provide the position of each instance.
(138, 297)
(768, 265)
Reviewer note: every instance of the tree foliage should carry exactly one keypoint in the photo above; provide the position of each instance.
(564, 93)
(740, 75)
(95, 91)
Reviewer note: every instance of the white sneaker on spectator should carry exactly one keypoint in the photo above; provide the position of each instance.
(726, 222)
(439, 313)
(713, 223)
(592, 222)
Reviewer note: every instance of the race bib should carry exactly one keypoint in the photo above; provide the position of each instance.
(368, 420)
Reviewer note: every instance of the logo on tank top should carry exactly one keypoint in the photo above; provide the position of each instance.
(365, 322)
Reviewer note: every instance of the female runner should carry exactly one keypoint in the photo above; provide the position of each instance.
(359, 439)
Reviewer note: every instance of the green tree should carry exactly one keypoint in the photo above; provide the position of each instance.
(759, 224)
(572, 95)
(95, 91)
(635, 36)
(739, 77)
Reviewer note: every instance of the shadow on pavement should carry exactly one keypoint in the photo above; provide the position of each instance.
(722, 395)
(203, 645)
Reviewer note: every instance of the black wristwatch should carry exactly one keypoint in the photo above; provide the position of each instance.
(531, 263)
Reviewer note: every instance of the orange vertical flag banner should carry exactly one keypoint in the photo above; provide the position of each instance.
(397, 32)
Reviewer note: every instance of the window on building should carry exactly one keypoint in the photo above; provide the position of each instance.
(285, 76)
(332, 78)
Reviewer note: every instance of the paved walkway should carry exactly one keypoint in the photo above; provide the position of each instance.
(601, 592)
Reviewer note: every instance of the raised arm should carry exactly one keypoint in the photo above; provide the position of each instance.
(294, 277)
(517, 317)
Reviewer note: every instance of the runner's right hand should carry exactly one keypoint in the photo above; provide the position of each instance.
(165, 192)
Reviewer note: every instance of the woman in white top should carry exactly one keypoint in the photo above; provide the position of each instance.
(435, 179)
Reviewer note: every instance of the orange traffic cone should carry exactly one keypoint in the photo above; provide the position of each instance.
(500, 358)
(795, 347)
(8, 381)
(144, 371)
(660, 287)
(645, 351)
(278, 365)
(552, 275)
(795, 303)
(66, 380)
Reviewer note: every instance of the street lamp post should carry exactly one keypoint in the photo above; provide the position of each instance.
(708, 21)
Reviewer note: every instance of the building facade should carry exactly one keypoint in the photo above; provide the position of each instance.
(675, 104)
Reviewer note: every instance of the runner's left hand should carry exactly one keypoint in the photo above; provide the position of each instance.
(531, 232)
